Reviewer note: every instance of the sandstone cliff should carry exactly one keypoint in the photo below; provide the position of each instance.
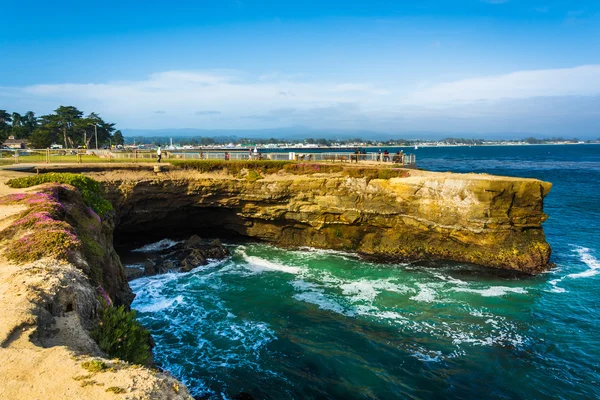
(477, 218)
(49, 301)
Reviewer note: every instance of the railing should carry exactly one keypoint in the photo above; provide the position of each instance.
(37, 156)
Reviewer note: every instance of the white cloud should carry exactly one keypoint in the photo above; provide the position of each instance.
(577, 81)
(191, 98)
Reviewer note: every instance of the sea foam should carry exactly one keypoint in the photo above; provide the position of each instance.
(157, 246)
(260, 265)
(493, 291)
(589, 260)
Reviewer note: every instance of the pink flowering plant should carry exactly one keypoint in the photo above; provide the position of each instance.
(41, 229)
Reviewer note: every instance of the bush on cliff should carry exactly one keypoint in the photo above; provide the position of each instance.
(41, 229)
(58, 243)
(233, 167)
(375, 173)
(120, 335)
(89, 188)
(312, 168)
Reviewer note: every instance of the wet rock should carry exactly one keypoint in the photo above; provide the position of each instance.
(468, 218)
(185, 256)
(133, 272)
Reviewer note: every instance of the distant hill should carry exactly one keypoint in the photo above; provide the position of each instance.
(298, 133)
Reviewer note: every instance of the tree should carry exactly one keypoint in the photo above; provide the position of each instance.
(66, 118)
(4, 126)
(16, 119)
(118, 138)
(43, 137)
(30, 121)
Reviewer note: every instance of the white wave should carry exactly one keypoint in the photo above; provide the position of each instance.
(589, 260)
(160, 304)
(157, 246)
(322, 301)
(155, 281)
(494, 291)
(481, 313)
(137, 266)
(260, 265)
(555, 287)
(314, 294)
(368, 290)
(428, 355)
(449, 279)
(211, 264)
(426, 293)
(340, 253)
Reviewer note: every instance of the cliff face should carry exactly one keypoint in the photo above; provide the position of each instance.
(482, 219)
(49, 301)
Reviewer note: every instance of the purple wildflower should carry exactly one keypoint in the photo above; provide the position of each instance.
(104, 295)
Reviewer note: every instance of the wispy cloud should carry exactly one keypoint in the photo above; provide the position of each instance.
(243, 101)
(578, 81)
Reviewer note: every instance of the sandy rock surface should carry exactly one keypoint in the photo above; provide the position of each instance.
(44, 344)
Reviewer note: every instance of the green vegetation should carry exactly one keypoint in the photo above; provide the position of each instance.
(95, 366)
(375, 173)
(233, 167)
(57, 243)
(82, 377)
(253, 176)
(115, 390)
(310, 168)
(89, 188)
(67, 126)
(257, 168)
(120, 335)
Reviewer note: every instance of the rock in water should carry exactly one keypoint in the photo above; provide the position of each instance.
(184, 257)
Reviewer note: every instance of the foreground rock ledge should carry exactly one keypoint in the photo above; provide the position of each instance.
(477, 218)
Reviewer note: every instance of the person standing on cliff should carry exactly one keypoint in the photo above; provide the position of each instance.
(158, 154)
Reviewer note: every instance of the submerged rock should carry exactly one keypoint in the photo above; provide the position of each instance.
(182, 257)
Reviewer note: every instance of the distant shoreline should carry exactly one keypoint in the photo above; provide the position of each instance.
(352, 148)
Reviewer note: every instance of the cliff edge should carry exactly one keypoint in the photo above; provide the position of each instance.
(55, 253)
(488, 220)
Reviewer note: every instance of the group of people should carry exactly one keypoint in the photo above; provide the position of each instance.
(361, 154)
(385, 156)
(254, 154)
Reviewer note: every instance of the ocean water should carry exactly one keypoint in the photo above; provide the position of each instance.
(312, 324)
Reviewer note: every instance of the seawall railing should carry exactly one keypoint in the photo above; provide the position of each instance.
(51, 156)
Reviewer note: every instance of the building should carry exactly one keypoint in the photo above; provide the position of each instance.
(13, 143)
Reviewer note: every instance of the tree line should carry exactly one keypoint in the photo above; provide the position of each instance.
(67, 126)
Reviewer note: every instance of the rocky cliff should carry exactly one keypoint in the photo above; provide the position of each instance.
(477, 218)
(55, 252)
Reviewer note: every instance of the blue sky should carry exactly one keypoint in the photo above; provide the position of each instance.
(466, 67)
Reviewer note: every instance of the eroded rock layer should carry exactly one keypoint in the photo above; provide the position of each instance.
(482, 219)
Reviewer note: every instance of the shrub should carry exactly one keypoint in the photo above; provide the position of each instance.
(95, 366)
(253, 176)
(375, 173)
(115, 390)
(309, 169)
(120, 335)
(233, 167)
(89, 188)
(56, 242)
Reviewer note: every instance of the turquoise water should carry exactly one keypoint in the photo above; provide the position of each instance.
(317, 324)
